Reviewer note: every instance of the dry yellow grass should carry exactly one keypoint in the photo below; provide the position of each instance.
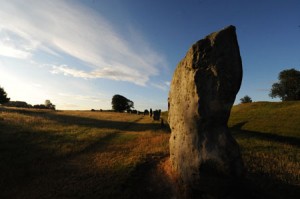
(83, 154)
(75, 154)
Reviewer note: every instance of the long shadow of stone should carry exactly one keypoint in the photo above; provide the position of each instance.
(22, 160)
(89, 122)
(29, 170)
(264, 136)
(147, 181)
(261, 185)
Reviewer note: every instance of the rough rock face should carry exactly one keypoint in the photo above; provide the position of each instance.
(203, 90)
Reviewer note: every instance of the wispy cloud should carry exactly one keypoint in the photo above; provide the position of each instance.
(162, 85)
(167, 83)
(83, 97)
(55, 27)
(263, 89)
(119, 74)
(11, 45)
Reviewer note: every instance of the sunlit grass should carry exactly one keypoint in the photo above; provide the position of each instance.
(281, 118)
(83, 154)
(93, 153)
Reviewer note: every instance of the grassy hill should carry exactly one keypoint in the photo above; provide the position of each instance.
(83, 154)
(269, 137)
(280, 118)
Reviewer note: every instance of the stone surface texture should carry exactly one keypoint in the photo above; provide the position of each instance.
(202, 92)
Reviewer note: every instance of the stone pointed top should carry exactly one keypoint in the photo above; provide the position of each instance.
(202, 92)
(227, 30)
(214, 48)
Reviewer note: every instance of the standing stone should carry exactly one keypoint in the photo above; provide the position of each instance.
(156, 115)
(203, 90)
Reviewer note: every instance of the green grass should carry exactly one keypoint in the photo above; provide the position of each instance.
(280, 118)
(269, 136)
(83, 154)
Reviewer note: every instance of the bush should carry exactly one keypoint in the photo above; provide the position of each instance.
(3, 96)
(246, 99)
(121, 103)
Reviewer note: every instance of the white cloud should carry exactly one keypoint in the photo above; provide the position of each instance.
(167, 83)
(67, 27)
(13, 46)
(120, 74)
(11, 51)
(163, 86)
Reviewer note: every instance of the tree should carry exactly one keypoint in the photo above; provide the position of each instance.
(49, 105)
(288, 86)
(3, 96)
(120, 103)
(246, 99)
(146, 112)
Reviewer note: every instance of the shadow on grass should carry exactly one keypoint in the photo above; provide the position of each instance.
(254, 185)
(267, 187)
(263, 185)
(237, 129)
(29, 169)
(91, 122)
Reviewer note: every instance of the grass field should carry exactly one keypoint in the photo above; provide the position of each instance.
(77, 154)
(83, 154)
(269, 136)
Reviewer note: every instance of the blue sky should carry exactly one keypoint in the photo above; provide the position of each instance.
(78, 54)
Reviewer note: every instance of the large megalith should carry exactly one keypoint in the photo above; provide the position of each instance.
(202, 92)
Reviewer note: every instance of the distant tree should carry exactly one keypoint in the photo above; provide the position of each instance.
(3, 96)
(40, 106)
(120, 103)
(246, 99)
(133, 111)
(49, 105)
(19, 104)
(288, 86)
(146, 112)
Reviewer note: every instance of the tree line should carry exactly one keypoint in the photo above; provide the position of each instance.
(4, 100)
(287, 89)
